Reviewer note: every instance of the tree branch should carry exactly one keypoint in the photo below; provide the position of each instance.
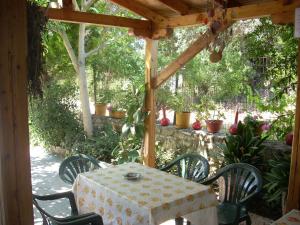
(75, 5)
(87, 4)
(69, 48)
(95, 50)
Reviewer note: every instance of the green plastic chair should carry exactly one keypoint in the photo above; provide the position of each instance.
(73, 165)
(74, 219)
(238, 183)
(190, 166)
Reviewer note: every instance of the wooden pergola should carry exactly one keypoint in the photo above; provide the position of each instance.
(160, 17)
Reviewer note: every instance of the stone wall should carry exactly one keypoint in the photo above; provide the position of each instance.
(172, 142)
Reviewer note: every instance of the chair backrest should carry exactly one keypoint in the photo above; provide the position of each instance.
(238, 182)
(73, 165)
(190, 166)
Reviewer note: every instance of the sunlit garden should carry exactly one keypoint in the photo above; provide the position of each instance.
(233, 103)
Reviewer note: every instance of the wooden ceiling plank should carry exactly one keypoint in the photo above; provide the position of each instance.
(257, 10)
(177, 6)
(201, 43)
(283, 18)
(96, 19)
(139, 9)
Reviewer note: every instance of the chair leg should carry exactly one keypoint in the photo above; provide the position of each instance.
(179, 221)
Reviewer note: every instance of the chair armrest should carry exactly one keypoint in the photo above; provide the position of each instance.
(69, 195)
(88, 218)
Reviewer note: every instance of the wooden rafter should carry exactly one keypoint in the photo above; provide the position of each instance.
(139, 9)
(201, 43)
(96, 19)
(283, 18)
(236, 13)
(177, 6)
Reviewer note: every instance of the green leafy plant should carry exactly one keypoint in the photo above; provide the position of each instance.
(53, 119)
(254, 124)
(181, 102)
(119, 100)
(277, 178)
(132, 135)
(244, 147)
(100, 146)
(104, 96)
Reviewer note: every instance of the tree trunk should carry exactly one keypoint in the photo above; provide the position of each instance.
(84, 95)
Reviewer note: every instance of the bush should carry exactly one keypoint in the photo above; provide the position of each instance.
(100, 146)
(277, 179)
(53, 118)
(54, 122)
(244, 147)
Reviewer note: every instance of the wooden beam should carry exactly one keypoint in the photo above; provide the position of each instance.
(177, 6)
(236, 13)
(96, 19)
(150, 73)
(201, 43)
(293, 198)
(15, 179)
(283, 18)
(155, 35)
(139, 9)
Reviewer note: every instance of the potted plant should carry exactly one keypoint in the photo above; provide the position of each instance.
(207, 110)
(215, 122)
(117, 108)
(181, 105)
(103, 98)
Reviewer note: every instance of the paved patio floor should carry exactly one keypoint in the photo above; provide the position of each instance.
(45, 180)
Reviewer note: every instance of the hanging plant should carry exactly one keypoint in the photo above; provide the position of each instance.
(36, 25)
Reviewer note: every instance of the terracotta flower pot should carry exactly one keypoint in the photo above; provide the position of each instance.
(100, 109)
(213, 126)
(182, 120)
(117, 114)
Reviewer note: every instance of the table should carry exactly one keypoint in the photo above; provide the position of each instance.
(291, 218)
(155, 198)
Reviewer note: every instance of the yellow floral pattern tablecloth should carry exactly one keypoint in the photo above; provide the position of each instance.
(155, 198)
(291, 218)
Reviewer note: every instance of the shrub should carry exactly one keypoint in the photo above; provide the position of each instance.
(54, 122)
(244, 147)
(53, 118)
(100, 146)
(277, 178)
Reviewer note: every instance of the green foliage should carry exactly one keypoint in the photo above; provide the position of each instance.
(100, 146)
(104, 96)
(133, 129)
(278, 45)
(53, 119)
(277, 179)
(244, 147)
(282, 125)
(181, 101)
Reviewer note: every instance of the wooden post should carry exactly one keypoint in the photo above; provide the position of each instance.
(293, 199)
(151, 71)
(15, 179)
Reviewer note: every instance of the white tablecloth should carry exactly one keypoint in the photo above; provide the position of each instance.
(291, 218)
(155, 198)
